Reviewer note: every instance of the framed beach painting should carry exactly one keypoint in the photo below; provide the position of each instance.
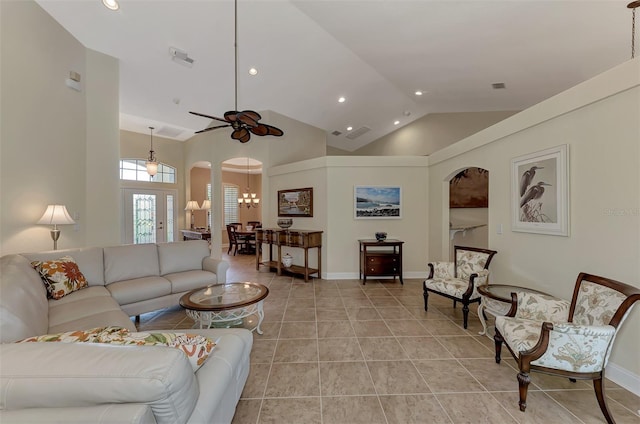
(295, 202)
(377, 202)
(540, 192)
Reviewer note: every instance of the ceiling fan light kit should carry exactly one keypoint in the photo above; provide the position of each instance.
(244, 123)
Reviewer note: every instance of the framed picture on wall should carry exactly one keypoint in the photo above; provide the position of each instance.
(540, 192)
(295, 202)
(377, 202)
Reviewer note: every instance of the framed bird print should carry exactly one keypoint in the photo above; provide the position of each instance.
(540, 192)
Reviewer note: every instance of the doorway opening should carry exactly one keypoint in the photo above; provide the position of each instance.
(469, 208)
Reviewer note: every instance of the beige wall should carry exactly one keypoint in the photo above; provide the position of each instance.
(51, 138)
(432, 132)
(333, 180)
(200, 177)
(599, 121)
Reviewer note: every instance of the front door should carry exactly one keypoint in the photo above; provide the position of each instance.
(149, 215)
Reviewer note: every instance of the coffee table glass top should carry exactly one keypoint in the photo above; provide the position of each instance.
(503, 291)
(224, 296)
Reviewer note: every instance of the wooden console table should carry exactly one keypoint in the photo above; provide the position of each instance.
(196, 234)
(303, 239)
(380, 258)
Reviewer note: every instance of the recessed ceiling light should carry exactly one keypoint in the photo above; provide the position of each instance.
(111, 4)
(349, 128)
(253, 71)
(396, 122)
(419, 93)
(341, 99)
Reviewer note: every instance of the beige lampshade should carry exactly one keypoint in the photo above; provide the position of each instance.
(56, 215)
(192, 205)
(206, 204)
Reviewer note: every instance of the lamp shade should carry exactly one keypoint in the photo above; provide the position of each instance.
(192, 205)
(206, 204)
(152, 167)
(56, 215)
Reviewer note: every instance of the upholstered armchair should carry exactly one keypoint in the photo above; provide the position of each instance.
(459, 280)
(570, 339)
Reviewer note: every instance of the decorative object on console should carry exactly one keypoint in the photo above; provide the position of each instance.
(192, 205)
(377, 202)
(287, 260)
(248, 198)
(381, 236)
(246, 122)
(56, 215)
(152, 163)
(296, 202)
(540, 192)
(285, 223)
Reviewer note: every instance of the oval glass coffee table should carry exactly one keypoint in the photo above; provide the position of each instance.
(496, 300)
(225, 305)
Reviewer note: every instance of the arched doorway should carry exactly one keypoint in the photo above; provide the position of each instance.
(469, 208)
(241, 175)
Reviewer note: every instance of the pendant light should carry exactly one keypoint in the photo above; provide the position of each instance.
(152, 163)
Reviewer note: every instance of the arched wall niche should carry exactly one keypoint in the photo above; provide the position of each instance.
(467, 193)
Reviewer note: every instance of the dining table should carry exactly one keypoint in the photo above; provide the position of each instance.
(246, 237)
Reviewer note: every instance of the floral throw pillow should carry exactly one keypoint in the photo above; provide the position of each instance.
(61, 276)
(197, 348)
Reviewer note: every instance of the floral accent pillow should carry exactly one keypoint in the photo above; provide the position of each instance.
(197, 348)
(61, 276)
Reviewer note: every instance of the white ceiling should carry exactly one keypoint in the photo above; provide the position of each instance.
(376, 53)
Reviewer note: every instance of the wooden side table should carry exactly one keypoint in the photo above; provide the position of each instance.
(380, 258)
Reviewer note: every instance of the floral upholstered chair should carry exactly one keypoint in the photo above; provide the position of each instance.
(570, 339)
(459, 280)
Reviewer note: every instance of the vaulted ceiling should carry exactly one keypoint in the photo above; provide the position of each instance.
(375, 53)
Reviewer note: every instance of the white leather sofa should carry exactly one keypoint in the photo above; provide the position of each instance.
(101, 383)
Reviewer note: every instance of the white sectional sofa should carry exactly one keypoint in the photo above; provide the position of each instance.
(102, 383)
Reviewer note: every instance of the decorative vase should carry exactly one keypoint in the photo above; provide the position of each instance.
(287, 260)
(285, 223)
(381, 236)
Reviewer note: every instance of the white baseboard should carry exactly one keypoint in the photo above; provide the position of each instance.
(356, 275)
(623, 377)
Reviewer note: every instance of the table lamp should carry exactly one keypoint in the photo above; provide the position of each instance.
(56, 215)
(206, 205)
(192, 205)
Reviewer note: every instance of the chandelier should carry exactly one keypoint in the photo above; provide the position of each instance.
(248, 198)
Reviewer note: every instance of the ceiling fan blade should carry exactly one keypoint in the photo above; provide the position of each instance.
(241, 134)
(212, 128)
(207, 116)
(264, 129)
(231, 116)
(252, 114)
(247, 119)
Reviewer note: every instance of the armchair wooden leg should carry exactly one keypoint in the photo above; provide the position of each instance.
(523, 383)
(455, 302)
(598, 386)
(465, 314)
(497, 338)
(426, 298)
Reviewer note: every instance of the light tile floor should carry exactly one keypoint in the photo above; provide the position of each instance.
(340, 352)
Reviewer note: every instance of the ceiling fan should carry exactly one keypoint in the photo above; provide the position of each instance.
(244, 123)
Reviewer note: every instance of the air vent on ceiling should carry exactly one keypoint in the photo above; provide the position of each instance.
(357, 133)
(168, 132)
(498, 85)
(336, 133)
